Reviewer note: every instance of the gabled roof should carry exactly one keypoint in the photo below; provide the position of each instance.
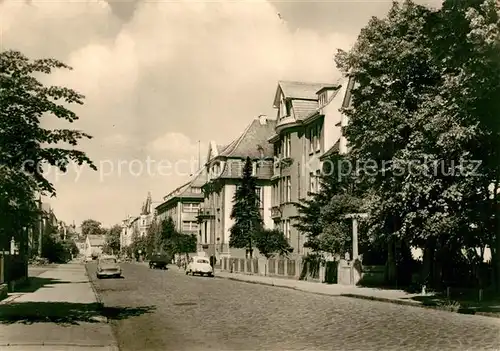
(252, 140)
(184, 191)
(316, 109)
(214, 150)
(298, 90)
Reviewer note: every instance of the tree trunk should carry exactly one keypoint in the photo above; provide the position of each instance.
(428, 262)
(390, 267)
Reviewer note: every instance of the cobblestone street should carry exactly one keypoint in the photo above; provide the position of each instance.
(195, 313)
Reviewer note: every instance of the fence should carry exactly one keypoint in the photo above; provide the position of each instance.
(282, 267)
(12, 267)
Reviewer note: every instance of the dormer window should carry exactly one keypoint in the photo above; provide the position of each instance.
(323, 98)
(285, 109)
(216, 170)
(283, 112)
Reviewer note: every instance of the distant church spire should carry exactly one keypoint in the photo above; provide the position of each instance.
(146, 207)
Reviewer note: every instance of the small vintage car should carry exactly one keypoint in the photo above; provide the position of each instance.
(107, 266)
(199, 265)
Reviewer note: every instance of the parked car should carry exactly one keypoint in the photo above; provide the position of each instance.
(107, 266)
(199, 265)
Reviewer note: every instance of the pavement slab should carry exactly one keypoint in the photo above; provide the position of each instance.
(58, 310)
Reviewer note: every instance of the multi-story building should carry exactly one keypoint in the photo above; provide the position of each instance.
(223, 174)
(308, 128)
(137, 224)
(183, 204)
(127, 231)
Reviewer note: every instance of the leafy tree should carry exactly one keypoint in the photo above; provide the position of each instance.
(112, 243)
(17, 206)
(185, 243)
(24, 101)
(24, 145)
(425, 107)
(92, 227)
(168, 233)
(54, 248)
(321, 217)
(139, 243)
(271, 242)
(245, 212)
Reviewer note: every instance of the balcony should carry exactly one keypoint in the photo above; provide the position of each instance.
(275, 212)
(206, 213)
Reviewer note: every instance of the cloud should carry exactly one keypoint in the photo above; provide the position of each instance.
(174, 73)
(174, 142)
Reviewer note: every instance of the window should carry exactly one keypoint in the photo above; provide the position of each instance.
(286, 228)
(276, 194)
(258, 192)
(318, 181)
(323, 98)
(312, 182)
(190, 207)
(283, 107)
(254, 168)
(288, 189)
(196, 190)
(310, 137)
(315, 138)
(202, 260)
(287, 145)
(189, 226)
(277, 149)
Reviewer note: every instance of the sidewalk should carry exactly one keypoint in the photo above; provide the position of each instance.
(385, 295)
(57, 311)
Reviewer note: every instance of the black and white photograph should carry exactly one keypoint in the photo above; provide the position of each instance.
(249, 175)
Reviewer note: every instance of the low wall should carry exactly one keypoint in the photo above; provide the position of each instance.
(340, 272)
(274, 267)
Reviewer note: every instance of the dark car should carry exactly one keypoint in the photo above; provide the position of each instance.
(159, 261)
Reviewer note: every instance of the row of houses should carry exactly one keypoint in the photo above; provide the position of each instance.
(287, 154)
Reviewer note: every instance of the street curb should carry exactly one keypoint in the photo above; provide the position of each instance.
(416, 304)
(96, 294)
(372, 298)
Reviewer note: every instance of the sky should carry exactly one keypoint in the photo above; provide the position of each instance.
(162, 79)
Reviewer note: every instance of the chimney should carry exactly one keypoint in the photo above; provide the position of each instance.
(262, 119)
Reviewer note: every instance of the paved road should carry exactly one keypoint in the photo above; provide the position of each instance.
(196, 313)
